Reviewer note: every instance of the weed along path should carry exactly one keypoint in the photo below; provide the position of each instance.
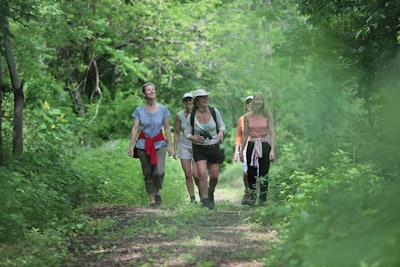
(184, 236)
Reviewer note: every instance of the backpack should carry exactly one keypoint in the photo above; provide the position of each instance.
(212, 110)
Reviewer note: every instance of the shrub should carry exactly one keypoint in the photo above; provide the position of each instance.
(343, 216)
(40, 187)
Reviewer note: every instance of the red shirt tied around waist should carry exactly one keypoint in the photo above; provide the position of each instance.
(149, 145)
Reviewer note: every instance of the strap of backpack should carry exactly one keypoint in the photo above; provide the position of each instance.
(213, 114)
(192, 114)
(212, 110)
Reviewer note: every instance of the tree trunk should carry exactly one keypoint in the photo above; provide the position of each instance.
(1, 113)
(18, 92)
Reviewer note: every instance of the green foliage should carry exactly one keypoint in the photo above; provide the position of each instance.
(327, 217)
(39, 188)
(347, 226)
(332, 86)
(46, 89)
(10, 211)
(120, 177)
(17, 10)
(291, 163)
(115, 119)
(46, 248)
(362, 36)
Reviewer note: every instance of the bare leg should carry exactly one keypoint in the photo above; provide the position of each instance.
(203, 186)
(214, 173)
(187, 168)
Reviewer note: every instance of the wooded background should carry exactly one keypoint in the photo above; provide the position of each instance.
(71, 75)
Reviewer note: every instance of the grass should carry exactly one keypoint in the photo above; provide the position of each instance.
(122, 184)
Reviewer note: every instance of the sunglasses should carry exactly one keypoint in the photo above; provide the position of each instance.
(187, 99)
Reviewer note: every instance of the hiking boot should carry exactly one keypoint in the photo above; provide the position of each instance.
(153, 205)
(251, 200)
(263, 199)
(211, 199)
(245, 198)
(158, 200)
(193, 200)
(206, 203)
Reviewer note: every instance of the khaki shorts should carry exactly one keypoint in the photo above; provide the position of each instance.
(185, 151)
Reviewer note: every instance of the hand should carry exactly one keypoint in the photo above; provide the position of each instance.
(220, 137)
(175, 155)
(236, 157)
(271, 156)
(130, 152)
(170, 153)
(198, 138)
(241, 157)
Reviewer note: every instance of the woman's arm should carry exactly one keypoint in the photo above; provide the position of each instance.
(167, 130)
(238, 139)
(245, 136)
(134, 132)
(177, 131)
(221, 126)
(271, 132)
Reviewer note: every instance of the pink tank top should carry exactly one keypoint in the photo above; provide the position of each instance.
(258, 126)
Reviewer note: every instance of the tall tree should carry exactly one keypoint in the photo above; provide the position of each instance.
(19, 11)
(17, 89)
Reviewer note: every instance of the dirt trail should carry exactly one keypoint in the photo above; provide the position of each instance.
(166, 237)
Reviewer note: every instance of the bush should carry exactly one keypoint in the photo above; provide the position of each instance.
(38, 188)
(343, 216)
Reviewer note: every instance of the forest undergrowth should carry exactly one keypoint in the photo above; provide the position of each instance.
(96, 213)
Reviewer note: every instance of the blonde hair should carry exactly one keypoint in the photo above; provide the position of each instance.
(264, 110)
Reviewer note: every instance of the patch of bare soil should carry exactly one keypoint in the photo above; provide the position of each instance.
(219, 237)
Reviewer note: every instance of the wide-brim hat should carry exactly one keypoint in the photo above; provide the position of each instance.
(200, 92)
(187, 95)
(250, 97)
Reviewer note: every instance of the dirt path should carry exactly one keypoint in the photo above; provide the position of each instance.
(162, 237)
(185, 236)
